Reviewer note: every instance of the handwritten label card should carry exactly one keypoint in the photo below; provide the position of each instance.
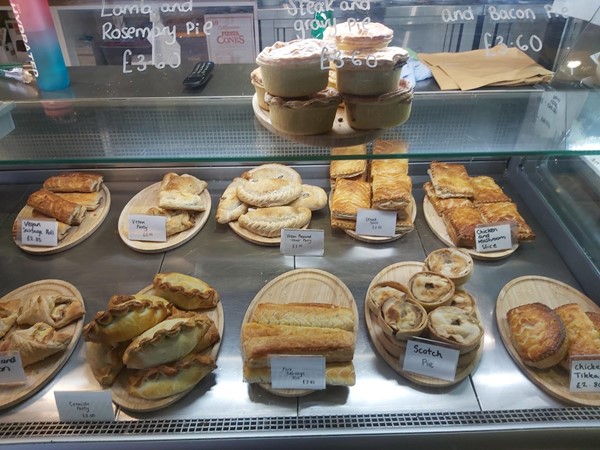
(585, 375)
(493, 237)
(39, 232)
(147, 228)
(302, 242)
(429, 359)
(84, 406)
(375, 222)
(11, 368)
(298, 372)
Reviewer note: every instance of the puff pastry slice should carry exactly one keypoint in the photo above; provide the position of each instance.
(486, 190)
(181, 192)
(460, 224)
(184, 291)
(35, 343)
(55, 310)
(391, 192)
(348, 168)
(442, 204)
(177, 221)
(450, 180)
(348, 197)
(583, 338)
(269, 222)
(9, 311)
(501, 211)
(74, 182)
(52, 205)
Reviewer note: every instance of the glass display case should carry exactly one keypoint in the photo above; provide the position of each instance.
(128, 116)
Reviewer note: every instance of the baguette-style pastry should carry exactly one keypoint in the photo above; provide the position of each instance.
(486, 190)
(170, 379)
(91, 200)
(348, 197)
(166, 341)
(269, 222)
(252, 330)
(583, 338)
(35, 343)
(181, 192)
(265, 192)
(321, 315)
(450, 180)
(55, 310)
(52, 205)
(270, 171)
(443, 204)
(74, 182)
(501, 211)
(312, 197)
(391, 192)
(184, 291)
(230, 207)
(336, 374)
(460, 225)
(124, 321)
(177, 221)
(348, 168)
(105, 361)
(9, 311)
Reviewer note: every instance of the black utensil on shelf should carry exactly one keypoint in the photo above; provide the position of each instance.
(200, 75)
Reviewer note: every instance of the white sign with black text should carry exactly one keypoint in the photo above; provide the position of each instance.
(84, 406)
(296, 242)
(427, 358)
(585, 375)
(39, 232)
(376, 222)
(493, 237)
(11, 368)
(141, 227)
(298, 372)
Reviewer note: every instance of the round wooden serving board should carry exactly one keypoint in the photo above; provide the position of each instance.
(41, 372)
(298, 286)
(78, 233)
(119, 388)
(341, 134)
(436, 223)
(394, 354)
(148, 198)
(553, 293)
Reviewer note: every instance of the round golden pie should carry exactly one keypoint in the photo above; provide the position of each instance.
(431, 289)
(380, 292)
(454, 326)
(352, 35)
(454, 263)
(463, 300)
(402, 318)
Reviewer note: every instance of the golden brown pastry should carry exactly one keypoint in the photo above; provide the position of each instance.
(91, 200)
(55, 310)
(181, 192)
(269, 222)
(431, 289)
(9, 311)
(450, 180)
(265, 192)
(455, 326)
(348, 197)
(170, 379)
(583, 338)
(336, 374)
(486, 190)
(453, 263)
(312, 197)
(74, 182)
(595, 318)
(402, 318)
(389, 166)
(463, 300)
(35, 343)
(184, 291)
(62, 228)
(538, 335)
(52, 205)
(348, 168)
(442, 204)
(321, 315)
(460, 225)
(506, 211)
(391, 192)
(384, 290)
(230, 207)
(343, 224)
(105, 361)
(176, 221)
(124, 321)
(270, 171)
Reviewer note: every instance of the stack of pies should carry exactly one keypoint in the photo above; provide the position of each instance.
(269, 198)
(463, 202)
(376, 184)
(163, 339)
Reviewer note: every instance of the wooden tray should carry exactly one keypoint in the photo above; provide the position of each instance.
(553, 293)
(341, 134)
(303, 285)
(147, 198)
(401, 273)
(78, 233)
(119, 388)
(40, 373)
(256, 238)
(436, 223)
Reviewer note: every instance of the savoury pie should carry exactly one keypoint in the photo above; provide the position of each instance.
(269, 222)
(460, 225)
(442, 204)
(455, 326)
(431, 289)
(36, 342)
(486, 190)
(55, 310)
(402, 318)
(583, 338)
(264, 192)
(506, 211)
(454, 263)
(184, 291)
(463, 300)
(230, 207)
(348, 197)
(384, 290)
(91, 200)
(450, 180)
(181, 192)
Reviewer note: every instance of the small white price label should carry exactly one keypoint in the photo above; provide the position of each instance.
(11, 368)
(494, 237)
(585, 375)
(302, 242)
(147, 228)
(298, 372)
(429, 359)
(84, 406)
(39, 232)
(375, 222)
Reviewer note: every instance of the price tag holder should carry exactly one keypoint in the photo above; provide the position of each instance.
(38, 232)
(84, 406)
(431, 359)
(495, 237)
(298, 372)
(375, 222)
(302, 242)
(585, 375)
(141, 227)
(11, 368)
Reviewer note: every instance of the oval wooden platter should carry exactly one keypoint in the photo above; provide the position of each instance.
(340, 135)
(298, 286)
(148, 198)
(391, 352)
(256, 238)
(119, 388)
(553, 293)
(436, 223)
(78, 233)
(41, 372)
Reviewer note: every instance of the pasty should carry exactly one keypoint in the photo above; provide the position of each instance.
(126, 320)
(9, 311)
(431, 289)
(442, 204)
(538, 335)
(487, 191)
(348, 168)
(269, 222)
(35, 343)
(52, 205)
(348, 197)
(264, 192)
(181, 192)
(177, 221)
(454, 326)
(453, 263)
(91, 200)
(55, 310)
(184, 291)
(273, 171)
(105, 361)
(304, 315)
(165, 342)
(170, 379)
(336, 374)
(460, 225)
(583, 338)
(506, 211)
(450, 180)
(230, 207)
(402, 318)
(74, 182)
(391, 192)
(312, 197)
